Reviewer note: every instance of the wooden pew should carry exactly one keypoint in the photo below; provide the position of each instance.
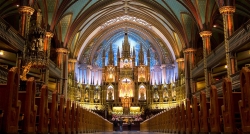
(73, 118)
(214, 111)
(204, 106)
(62, 115)
(54, 114)
(68, 118)
(82, 119)
(230, 106)
(28, 109)
(178, 119)
(244, 103)
(9, 102)
(43, 111)
(78, 119)
(182, 119)
(188, 120)
(172, 123)
(195, 118)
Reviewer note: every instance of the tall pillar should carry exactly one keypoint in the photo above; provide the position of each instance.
(227, 14)
(190, 64)
(47, 45)
(72, 63)
(180, 62)
(187, 74)
(66, 57)
(181, 94)
(71, 71)
(60, 57)
(26, 13)
(163, 72)
(206, 49)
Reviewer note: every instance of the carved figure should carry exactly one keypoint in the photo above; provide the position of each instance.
(142, 96)
(110, 95)
(40, 44)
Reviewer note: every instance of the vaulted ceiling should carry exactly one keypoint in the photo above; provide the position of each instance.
(168, 26)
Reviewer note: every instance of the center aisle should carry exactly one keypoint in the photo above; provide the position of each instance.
(127, 132)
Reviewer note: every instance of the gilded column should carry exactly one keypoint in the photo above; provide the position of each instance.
(227, 14)
(206, 46)
(72, 63)
(47, 45)
(60, 61)
(71, 71)
(181, 93)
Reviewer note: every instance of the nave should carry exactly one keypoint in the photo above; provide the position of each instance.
(128, 132)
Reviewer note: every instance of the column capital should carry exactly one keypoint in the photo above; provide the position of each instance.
(163, 65)
(227, 9)
(89, 66)
(189, 50)
(72, 60)
(49, 34)
(62, 50)
(205, 34)
(26, 9)
(180, 60)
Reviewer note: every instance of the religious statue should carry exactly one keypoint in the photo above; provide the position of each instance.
(110, 95)
(165, 95)
(40, 44)
(86, 95)
(156, 95)
(33, 45)
(142, 96)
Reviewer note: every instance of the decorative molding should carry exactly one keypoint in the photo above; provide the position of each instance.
(62, 50)
(126, 18)
(227, 9)
(189, 50)
(205, 34)
(180, 60)
(72, 60)
(26, 9)
(49, 34)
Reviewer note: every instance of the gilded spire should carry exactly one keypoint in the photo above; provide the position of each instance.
(103, 53)
(148, 53)
(141, 55)
(118, 53)
(125, 46)
(111, 55)
(133, 51)
(103, 58)
(148, 57)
